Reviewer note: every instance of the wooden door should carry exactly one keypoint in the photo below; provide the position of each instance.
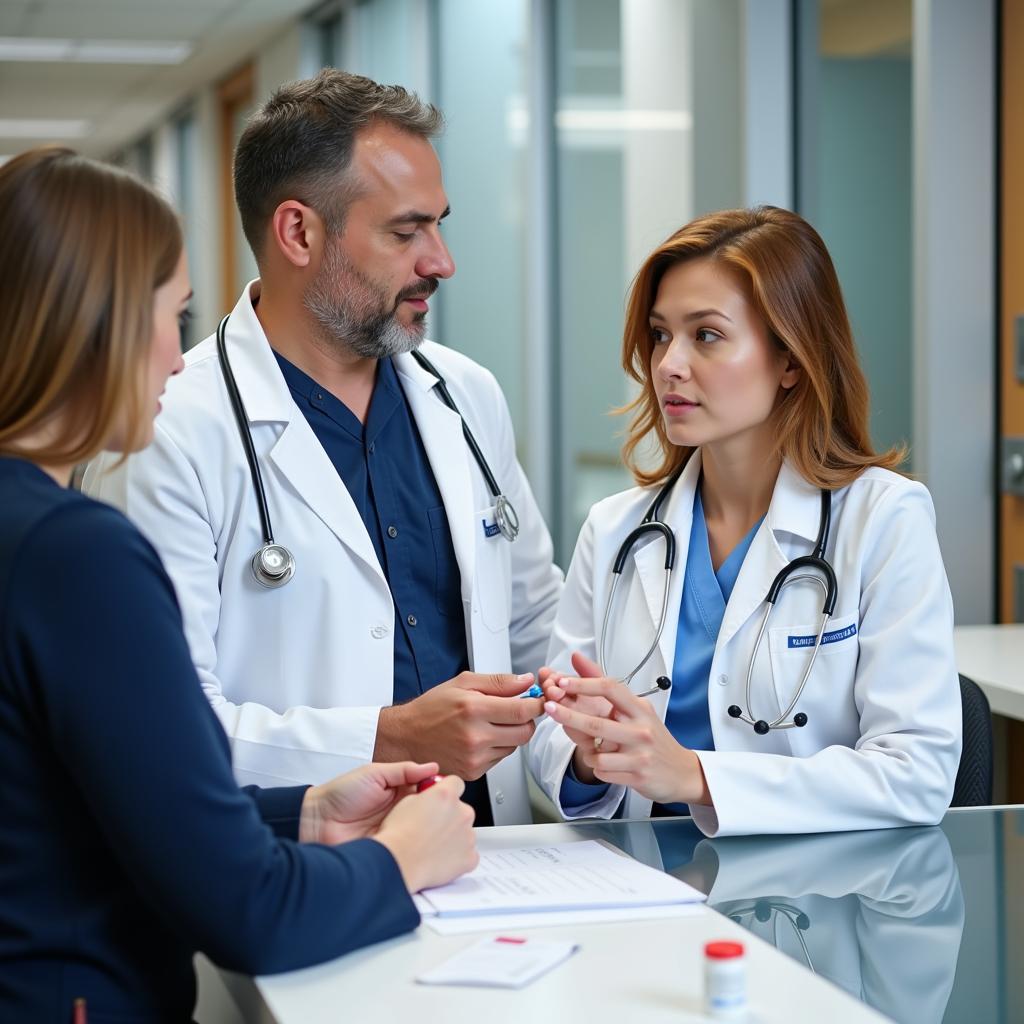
(235, 96)
(1011, 352)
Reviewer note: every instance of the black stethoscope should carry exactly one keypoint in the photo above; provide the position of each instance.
(273, 565)
(764, 911)
(806, 567)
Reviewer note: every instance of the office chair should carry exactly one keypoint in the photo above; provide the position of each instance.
(973, 787)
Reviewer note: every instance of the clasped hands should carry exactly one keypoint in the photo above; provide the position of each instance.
(429, 834)
(619, 737)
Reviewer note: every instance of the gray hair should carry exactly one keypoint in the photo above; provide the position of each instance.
(299, 145)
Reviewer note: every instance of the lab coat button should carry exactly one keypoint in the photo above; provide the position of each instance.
(499, 797)
(379, 632)
(723, 679)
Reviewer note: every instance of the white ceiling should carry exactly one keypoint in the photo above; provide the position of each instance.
(121, 100)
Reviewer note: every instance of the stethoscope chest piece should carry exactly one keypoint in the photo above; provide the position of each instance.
(506, 518)
(273, 566)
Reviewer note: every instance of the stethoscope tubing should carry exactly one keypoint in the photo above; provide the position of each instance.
(273, 564)
(799, 922)
(813, 567)
(505, 514)
(242, 421)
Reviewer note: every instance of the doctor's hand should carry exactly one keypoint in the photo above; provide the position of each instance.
(353, 805)
(551, 681)
(467, 724)
(430, 835)
(645, 756)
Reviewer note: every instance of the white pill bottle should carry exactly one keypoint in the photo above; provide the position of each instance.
(725, 981)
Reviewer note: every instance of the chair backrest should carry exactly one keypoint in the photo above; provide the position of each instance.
(973, 786)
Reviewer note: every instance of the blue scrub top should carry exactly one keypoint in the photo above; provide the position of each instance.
(385, 469)
(702, 608)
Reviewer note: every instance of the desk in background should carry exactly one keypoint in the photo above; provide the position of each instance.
(993, 656)
(919, 925)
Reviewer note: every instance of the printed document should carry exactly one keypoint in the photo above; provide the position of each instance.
(564, 876)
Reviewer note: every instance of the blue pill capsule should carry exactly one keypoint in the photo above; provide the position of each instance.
(533, 691)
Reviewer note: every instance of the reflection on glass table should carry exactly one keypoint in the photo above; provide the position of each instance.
(881, 914)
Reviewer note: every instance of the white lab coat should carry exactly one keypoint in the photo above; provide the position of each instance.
(298, 675)
(882, 742)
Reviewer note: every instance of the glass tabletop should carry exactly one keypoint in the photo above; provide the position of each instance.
(926, 925)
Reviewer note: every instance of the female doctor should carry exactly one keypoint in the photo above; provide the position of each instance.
(841, 710)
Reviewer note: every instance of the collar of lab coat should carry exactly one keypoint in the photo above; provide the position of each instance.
(794, 509)
(260, 381)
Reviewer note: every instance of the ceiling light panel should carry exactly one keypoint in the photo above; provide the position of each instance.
(42, 128)
(93, 51)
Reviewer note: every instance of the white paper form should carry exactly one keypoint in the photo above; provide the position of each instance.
(564, 876)
(500, 963)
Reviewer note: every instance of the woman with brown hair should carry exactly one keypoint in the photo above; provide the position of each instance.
(125, 844)
(772, 591)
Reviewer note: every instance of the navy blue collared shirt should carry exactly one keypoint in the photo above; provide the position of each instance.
(385, 469)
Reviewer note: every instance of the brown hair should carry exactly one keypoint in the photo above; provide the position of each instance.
(821, 423)
(85, 247)
(298, 145)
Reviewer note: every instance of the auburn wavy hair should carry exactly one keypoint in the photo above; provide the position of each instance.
(821, 423)
(85, 248)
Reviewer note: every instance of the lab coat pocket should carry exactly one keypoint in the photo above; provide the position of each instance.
(828, 693)
(493, 571)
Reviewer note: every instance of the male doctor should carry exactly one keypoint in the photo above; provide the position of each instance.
(408, 609)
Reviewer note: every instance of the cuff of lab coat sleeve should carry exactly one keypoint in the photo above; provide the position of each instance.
(705, 817)
(312, 746)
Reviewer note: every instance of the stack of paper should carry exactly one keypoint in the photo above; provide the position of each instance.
(551, 881)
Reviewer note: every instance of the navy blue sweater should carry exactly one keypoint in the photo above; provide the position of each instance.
(125, 844)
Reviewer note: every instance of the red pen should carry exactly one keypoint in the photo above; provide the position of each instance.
(427, 782)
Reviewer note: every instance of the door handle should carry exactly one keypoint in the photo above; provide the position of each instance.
(1012, 466)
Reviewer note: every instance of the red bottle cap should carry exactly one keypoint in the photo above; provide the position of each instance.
(723, 950)
(427, 783)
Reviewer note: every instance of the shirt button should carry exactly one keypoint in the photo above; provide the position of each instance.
(411, 620)
(392, 532)
(371, 448)
(723, 679)
(379, 632)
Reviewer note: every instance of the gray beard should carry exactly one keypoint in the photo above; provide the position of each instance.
(361, 322)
